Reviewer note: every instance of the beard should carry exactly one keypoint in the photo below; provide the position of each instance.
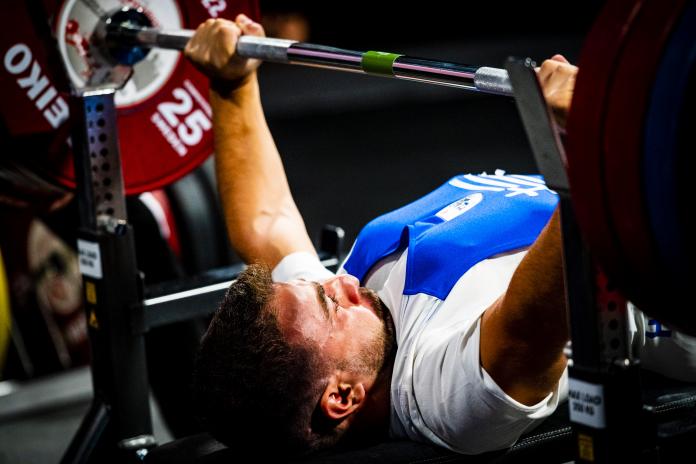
(383, 346)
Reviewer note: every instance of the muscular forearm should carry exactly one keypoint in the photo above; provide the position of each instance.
(523, 334)
(262, 220)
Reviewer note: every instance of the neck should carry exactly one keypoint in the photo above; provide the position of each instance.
(371, 422)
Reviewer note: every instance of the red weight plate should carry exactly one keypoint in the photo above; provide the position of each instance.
(623, 141)
(163, 114)
(585, 127)
(35, 90)
(34, 104)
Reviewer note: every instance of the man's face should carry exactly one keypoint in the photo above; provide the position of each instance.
(345, 320)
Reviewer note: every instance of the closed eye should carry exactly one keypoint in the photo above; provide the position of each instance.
(321, 297)
(335, 302)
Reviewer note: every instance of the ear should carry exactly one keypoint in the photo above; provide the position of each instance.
(340, 398)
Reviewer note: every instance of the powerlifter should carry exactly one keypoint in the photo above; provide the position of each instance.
(446, 323)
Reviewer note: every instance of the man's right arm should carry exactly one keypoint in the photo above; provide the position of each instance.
(263, 222)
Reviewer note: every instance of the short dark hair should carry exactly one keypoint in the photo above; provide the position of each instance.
(251, 387)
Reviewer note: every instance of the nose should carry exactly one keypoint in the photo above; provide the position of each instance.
(346, 288)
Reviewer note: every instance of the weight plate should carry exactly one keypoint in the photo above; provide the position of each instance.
(585, 129)
(35, 90)
(623, 143)
(163, 113)
(663, 155)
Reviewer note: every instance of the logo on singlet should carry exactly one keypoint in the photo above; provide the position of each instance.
(499, 182)
(459, 207)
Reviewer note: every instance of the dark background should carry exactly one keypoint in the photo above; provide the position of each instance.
(356, 146)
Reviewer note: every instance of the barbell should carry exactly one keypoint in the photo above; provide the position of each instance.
(124, 40)
(628, 139)
(164, 103)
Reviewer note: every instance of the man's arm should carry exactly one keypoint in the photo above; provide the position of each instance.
(524, 332)
(263, 222)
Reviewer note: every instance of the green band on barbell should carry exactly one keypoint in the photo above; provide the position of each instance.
(379, 63)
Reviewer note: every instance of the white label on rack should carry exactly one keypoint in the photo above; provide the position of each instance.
(90, 259)
(586, 402)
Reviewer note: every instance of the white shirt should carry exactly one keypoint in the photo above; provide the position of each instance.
(439, 392)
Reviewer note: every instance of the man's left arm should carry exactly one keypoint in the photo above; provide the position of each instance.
(524, 332)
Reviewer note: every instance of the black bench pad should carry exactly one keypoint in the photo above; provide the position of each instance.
(669, 406)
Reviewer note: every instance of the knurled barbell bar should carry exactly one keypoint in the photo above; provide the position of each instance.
(126, 40)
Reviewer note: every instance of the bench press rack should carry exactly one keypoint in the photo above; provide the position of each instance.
(610, 421)
(120, 310)
(605, 394)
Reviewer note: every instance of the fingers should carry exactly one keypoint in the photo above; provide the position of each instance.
(212, 49)
(547, 69)
(555, 71)
(248, 26)
(557, 57)
(213, 43)
(193, 44)
(557, 79)
(223, 42)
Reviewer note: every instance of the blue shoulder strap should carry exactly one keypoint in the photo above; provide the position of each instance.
(466, 220)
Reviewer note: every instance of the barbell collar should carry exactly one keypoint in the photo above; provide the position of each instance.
(493, 80)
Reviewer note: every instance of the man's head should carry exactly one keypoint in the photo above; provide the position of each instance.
(290, 363)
